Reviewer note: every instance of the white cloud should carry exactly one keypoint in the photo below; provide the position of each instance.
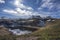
(24, 12)
(46, 4)
(2, 1)
(29, 8)
(50, 5)
(18, 12)
(19, 4)
(9, 11)
(27, 11)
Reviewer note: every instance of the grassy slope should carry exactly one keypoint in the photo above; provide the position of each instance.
(50, 32)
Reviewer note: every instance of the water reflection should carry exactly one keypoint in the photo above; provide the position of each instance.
(19, 32)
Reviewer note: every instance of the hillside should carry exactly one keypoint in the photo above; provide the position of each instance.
(50, 32)
(5, 34)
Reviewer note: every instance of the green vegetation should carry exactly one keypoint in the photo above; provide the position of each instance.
(49, 33)
(7, 37)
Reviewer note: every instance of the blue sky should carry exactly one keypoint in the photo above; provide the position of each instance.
(27, 8)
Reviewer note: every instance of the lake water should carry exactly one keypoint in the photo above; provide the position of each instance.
(19, 32)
